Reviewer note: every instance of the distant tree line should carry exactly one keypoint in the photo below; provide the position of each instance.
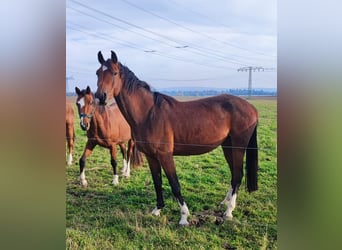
(237, 92)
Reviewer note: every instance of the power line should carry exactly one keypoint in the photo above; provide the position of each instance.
(120, 27)
(198, 49)
(202, 15)
(189, 29)
(216, 22)
(133, 46)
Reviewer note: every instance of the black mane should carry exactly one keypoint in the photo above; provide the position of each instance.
(132, 83)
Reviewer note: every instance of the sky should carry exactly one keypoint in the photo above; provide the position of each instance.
(174, 43)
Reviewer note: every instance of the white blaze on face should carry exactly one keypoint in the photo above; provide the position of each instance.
(104, 68)
(81, 102)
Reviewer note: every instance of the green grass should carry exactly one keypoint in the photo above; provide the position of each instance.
(103, 216)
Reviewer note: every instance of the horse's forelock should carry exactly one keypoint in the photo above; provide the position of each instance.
(83, 92)
(108, 64)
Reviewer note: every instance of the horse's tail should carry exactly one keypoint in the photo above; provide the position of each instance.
(137, 157)
(252, 162)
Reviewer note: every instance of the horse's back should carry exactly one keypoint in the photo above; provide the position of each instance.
(224, 109)
(198, 126)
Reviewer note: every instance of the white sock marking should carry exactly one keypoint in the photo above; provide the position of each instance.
(84, 182)
(115, 180)
(124, 166)
(228, 196)
(156, 211)
(184, 215)
(230, 207)
(127, 172)
(69, 159)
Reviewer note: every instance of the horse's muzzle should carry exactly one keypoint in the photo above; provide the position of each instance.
(84, 126)
(102, 98)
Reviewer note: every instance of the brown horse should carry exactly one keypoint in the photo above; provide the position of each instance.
(163, 127)
(70, 132)
(106, 127)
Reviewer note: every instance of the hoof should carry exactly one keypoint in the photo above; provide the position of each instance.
(230, 218)
(156, 212)
(84, 183)
(183, 223)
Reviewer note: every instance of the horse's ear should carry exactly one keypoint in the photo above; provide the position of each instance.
(114, 57)
(77, 90)
(88, 90)
(100, 58)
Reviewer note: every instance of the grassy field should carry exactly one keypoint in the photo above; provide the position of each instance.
(102, 216)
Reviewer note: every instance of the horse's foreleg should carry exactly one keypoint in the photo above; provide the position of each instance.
(157, 181)
(87, 151)
(170, 172)
(113, 163)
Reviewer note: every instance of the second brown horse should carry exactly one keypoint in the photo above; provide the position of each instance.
(106, 127)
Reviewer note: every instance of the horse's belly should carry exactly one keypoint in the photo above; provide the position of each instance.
(192, 150)
(196, 144)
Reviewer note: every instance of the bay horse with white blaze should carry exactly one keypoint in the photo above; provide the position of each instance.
(69, 128)
(163, 127)
(106, 127)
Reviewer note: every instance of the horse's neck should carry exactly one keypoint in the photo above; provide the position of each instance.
(135, 106)
(99, 118)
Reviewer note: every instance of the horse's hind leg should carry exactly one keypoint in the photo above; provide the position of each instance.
(239, 145)
(113, 163)
(238, 149)
(228, 154)
(235, 182)
(87, 151)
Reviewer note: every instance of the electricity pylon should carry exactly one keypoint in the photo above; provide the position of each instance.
(249, 69)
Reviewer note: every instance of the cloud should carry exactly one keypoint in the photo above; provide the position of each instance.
(148, 44)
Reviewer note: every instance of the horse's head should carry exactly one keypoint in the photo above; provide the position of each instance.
(109, 81)
(85, 105)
